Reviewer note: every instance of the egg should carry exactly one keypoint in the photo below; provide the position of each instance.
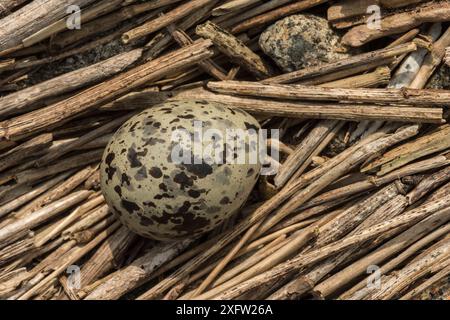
(173, 172)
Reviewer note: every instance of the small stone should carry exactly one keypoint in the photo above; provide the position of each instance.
(301, 41)
(440, 79)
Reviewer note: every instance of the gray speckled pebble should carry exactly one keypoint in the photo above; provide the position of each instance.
(158, 198)
(301, 41)
(440, 79)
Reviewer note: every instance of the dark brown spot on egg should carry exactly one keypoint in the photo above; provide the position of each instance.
(183, 180)
(194, 193)
(118, 190)
(125, 179)
(156, 172)
(129, 206)
(133, 158)
(225, 200)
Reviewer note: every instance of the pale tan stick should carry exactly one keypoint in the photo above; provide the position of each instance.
(336, 172)
(308, 193)
(368, 184)
(380, 77)
(226, 260)
(263, 253)
(43, 214)
(397, 23)
(25, 150)
(296, 241)
(227, 238)
(72, 162)
(208, 65)
(402, 159)
(303, 151)
(233, 5)
(53, 231)
(102, 24)
(36, 191)
(429, 184)
(165, 20)
(65, 148)
(250, 261)
(107, 256)
(413, 271)
(276, 14)
(390, 265)
(56, 192)
(320, 147)
(430, 282)
(162, 40)
(389, 209)
(317, 110)
(136, 273)
(90, 218)
(231, 19)
(388, 249)
(69, 259)
(298, 92)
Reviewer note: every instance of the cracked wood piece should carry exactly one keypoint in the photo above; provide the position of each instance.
(278, 13)
(314, 110)
(234, 48)
(417, 97)
(90, 98)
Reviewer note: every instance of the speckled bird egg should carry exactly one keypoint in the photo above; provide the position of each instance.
(158, 183)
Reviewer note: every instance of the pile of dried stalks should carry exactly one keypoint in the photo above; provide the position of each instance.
(382, 198)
